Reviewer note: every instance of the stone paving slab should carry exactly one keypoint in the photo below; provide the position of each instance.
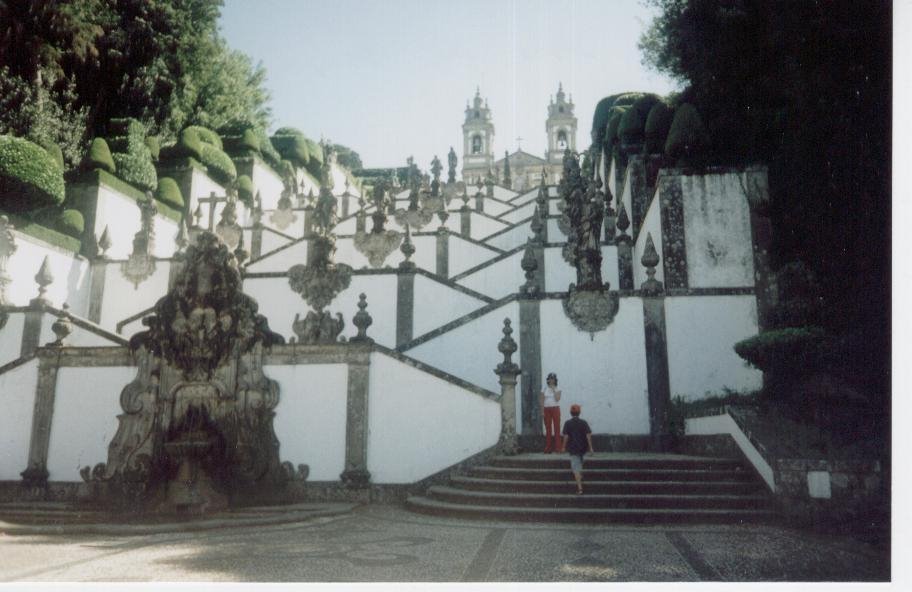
(386, 543)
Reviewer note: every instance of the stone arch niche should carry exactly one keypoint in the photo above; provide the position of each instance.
(196, 433)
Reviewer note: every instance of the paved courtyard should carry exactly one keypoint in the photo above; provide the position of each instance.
(385, 543)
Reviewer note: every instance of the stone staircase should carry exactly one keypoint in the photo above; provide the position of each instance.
(619, 487)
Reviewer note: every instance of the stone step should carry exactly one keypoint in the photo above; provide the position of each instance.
(604, 487)
(562, 461)
(426, 505)
(564, 474)
(569, 499)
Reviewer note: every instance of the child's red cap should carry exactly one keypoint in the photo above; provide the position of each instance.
(574, 408)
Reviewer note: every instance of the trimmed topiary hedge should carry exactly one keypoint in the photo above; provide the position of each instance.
(292, 148)
(99, 157)
(29, 177)
(631, 126)
(188, 145)
(219, 164)
(207, 136)
(70, 222)
(687, 135)
(169, 192)
(154, 147)
(245, 190)
(55, 152)
(792, 348)
(658, 122)
(132, 157)
(611, 128)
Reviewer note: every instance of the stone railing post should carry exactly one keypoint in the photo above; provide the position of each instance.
(405, 292)
(34, 317)
(443, 252)
(656, 340)
(507, 372)
(356, 475)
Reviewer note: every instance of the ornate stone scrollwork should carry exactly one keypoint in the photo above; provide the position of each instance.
(140, 265)
(591, 310)
(284, 215)
(228, 228)
(196, 430)
(379, 243)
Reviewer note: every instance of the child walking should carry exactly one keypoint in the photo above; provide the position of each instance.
(577, 441)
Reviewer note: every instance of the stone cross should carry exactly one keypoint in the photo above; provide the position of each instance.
(212, 200)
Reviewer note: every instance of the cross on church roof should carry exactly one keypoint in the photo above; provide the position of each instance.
(518, 146)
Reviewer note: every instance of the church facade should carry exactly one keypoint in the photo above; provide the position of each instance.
(520, 170)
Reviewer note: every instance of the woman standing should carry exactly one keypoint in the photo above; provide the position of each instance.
(548, 400)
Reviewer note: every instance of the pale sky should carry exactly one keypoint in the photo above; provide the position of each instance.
(391, 79)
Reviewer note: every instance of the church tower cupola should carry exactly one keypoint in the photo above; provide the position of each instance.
(560, 126)
(478, 140)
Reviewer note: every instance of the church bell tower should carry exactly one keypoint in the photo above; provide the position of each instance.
(478, 140)
(560, 126)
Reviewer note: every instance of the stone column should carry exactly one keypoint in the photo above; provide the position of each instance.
(479, 202)
(99, 267)
(674, 250)
(405, 304)
(465, 222)
(36, 474)
(356, 475)
(656, 350)
(443, 252)
(624, 244)
(530, 361)
(507, 372)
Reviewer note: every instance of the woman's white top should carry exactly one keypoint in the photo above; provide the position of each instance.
(550, 398)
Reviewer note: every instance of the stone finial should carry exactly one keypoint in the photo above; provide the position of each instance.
(311, 199)
(507, 347)
(442, 214)
(43, 278)
(623, 223)
(650, 260)
(407, 249)
(537, 226)
(256, 215)
(62, 327)
(465, 198)
(240, 253)
(362, 320)
(530, 266)
(436, 168)
(182, 240)
(198, 215)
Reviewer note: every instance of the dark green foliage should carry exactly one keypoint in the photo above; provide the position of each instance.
(804, 87)
(600, 117)
(70, 223)
(55, 152)
(206, 135)
(154, 147)
(347, 157)
(288, 131)
(132, 159)
(631, 126)
(658, 122)
(611, 128)
(245, 190)
(99, 157)
(687, 135)
(292, 147)
(188, 146)
(219, 164)
(267, 151)
(29, 176)
(793, 349)
(168, 192)
(315, 151)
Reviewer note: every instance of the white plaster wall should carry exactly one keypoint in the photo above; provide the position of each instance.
(612, 177)
(626, 197)
(605, 373)
(271, 241)
(499, 278)
(121, 215)
(494, 207)
(280, 304)
(702, 331)
(86, 406)
(311, 417)
(281, 260)
(11, 337)
(554, 232)
(267, 183)
(464, 254)
(525, 197)
(520, 213)
(515, 237)
(165, 233)
(78, 338)
(437, 304)
(17, 399)
(483, 226)
(202, 185)
(652, 225)
(724, 424)
(470, 350)
(559, 274)
(294, 229)
(71, 274)
(420, 424)
(122, 299)
(504, 194)
(717, 231)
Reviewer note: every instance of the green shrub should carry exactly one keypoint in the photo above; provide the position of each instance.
(267, 151)
(292, 148)
(611, 128)
(795, 349)
(658, 122)
(687, 135)
(55, 152)
(132, 158)
(219, 164)
(207, 136)
(168, 192)
(70, 222)
(315, 151)
(288, 131)
(99, 157)
(154, 147)
(188, 145)
(245, 190)
(29, 176)
(631, 125)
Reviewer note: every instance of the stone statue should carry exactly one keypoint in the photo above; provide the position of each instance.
(451, 169)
